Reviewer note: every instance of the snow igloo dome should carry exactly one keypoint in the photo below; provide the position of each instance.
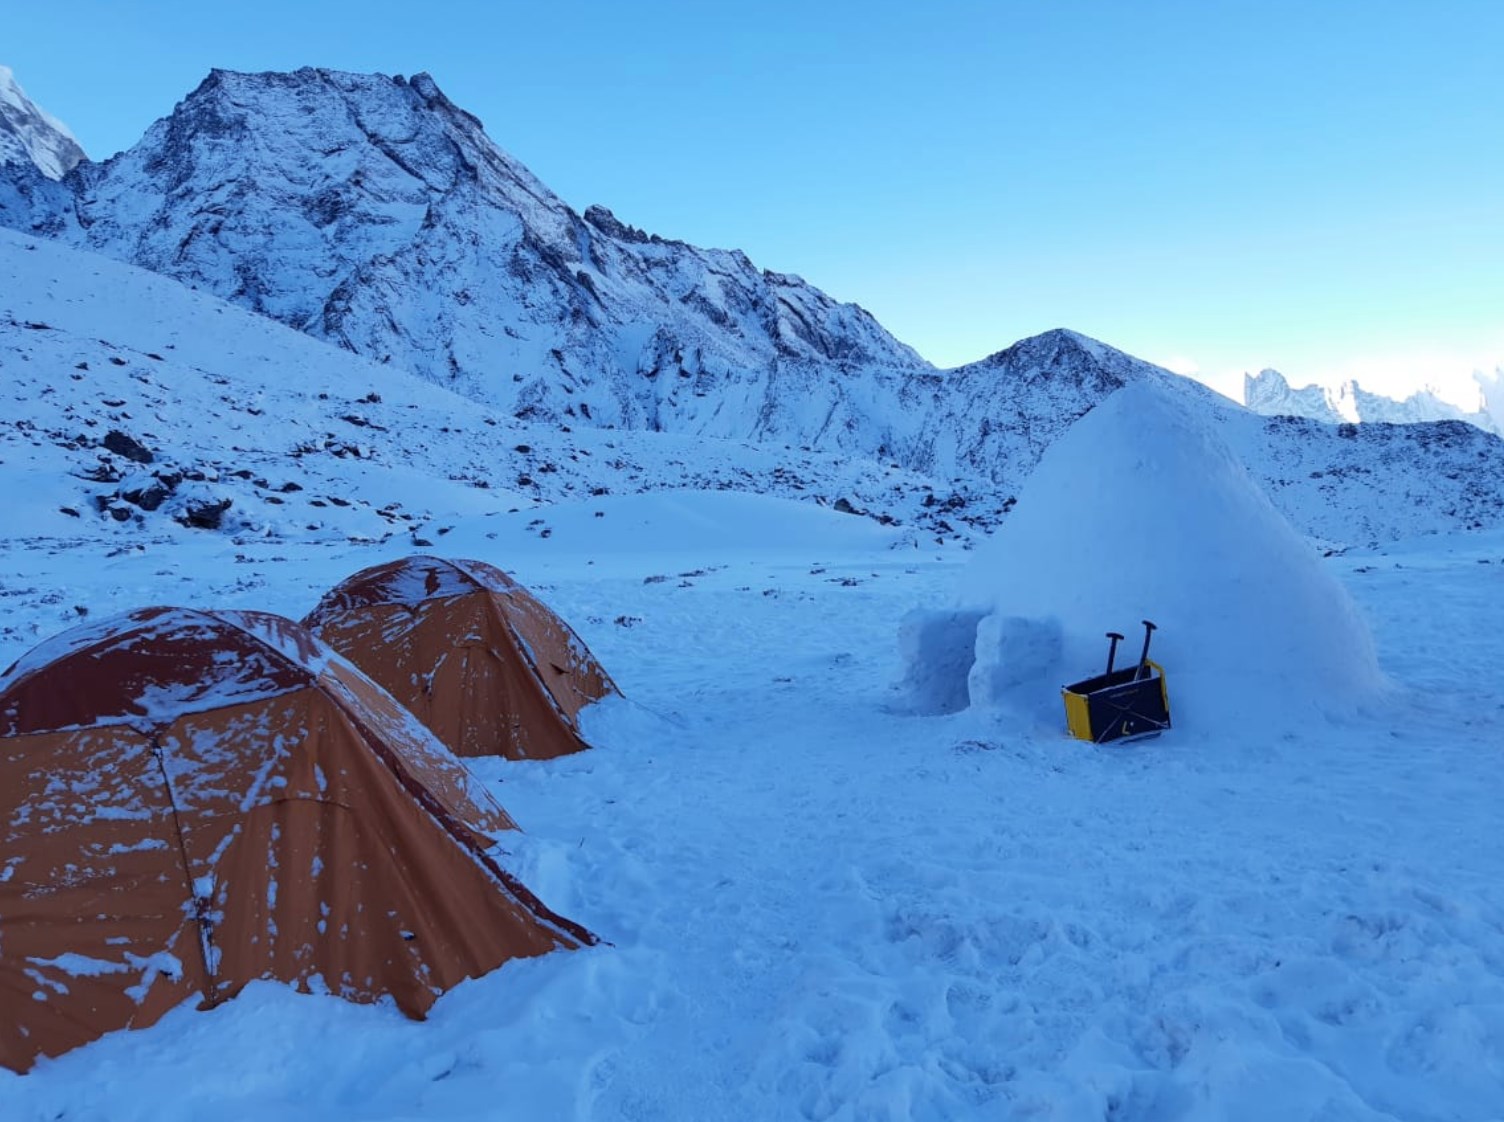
(1141, 511)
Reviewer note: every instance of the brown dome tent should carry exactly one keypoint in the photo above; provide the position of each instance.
(469, 650)
(195, 800)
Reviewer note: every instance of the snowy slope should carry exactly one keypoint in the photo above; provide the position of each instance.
(139, 412)
(306, 441)
(30, 137)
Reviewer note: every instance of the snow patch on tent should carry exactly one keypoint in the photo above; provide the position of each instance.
(141, 846)
(1142, 512)
(162, 964)
(80, 965)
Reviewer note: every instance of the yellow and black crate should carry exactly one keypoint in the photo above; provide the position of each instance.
(1119, 704)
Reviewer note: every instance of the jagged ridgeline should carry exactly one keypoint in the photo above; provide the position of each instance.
(373, 213)
(1269, 393)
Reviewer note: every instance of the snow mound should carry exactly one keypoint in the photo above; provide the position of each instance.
(1142, 512)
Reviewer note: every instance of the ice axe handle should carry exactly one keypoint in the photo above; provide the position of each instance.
(1112, 648)
(1143, 658)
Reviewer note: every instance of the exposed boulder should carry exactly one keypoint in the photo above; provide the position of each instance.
(128, 446)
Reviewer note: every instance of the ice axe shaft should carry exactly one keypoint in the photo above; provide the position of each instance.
(1143, 658)
(1112, 648)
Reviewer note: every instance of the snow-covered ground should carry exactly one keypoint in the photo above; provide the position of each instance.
(818, 906)
(818, 903)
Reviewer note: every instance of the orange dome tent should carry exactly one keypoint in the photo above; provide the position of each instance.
(195, 800)
(475, 655)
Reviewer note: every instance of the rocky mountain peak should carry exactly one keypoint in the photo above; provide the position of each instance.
(31, 137)
(607, 223)
(370, 211)
(1061, 356)
(1270, 393)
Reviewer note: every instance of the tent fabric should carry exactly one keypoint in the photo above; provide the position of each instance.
(477, 657)
(193, 801)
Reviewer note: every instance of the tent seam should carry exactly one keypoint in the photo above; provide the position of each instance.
(205, 926)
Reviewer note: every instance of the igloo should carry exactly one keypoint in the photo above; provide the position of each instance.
(1141, 511)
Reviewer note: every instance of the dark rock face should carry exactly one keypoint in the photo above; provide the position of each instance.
(147, 498)
(205, 515)
(608, 224)
(128, 446)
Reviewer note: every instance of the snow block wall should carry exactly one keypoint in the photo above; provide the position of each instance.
(1142, 512)
(938, 648)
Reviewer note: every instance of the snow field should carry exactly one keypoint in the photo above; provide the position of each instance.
(821, 907)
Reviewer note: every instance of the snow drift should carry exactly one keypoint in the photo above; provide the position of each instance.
(1141, 511)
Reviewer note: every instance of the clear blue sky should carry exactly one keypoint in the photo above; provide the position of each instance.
(1311, 185)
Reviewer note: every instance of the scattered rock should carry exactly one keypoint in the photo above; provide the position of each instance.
(149, 497)
(104, 473)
